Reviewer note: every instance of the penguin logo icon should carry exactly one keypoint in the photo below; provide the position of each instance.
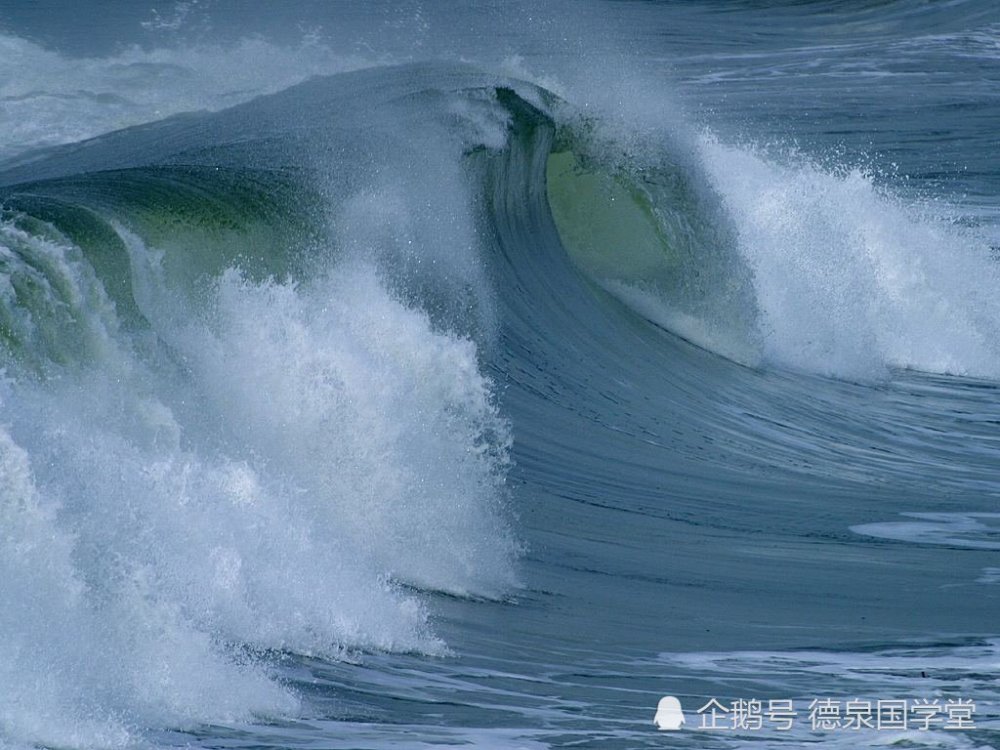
(669, 716)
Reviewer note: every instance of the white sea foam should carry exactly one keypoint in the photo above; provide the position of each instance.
(849, 279)
(972, 530)
(317, 445)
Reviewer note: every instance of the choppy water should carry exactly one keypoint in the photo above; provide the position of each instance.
(401, 375)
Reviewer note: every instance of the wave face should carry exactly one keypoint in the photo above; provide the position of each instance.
(458, 388)
(239, 433)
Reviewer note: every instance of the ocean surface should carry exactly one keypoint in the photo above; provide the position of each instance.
(404, 375)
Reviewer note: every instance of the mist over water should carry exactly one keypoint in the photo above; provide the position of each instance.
(404, 375)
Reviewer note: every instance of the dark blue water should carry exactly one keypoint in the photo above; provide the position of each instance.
(411, 375)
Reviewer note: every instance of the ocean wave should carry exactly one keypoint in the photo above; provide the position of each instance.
(272, 375)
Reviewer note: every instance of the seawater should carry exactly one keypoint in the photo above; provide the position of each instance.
(403, 375)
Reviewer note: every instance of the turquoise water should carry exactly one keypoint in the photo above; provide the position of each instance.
(409, 375)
